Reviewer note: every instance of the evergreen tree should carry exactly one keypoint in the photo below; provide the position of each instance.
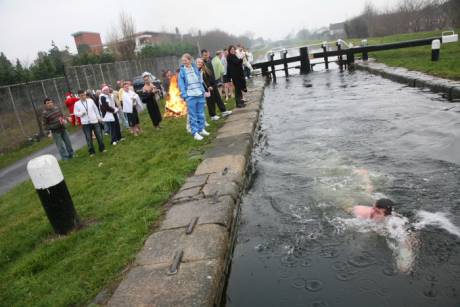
(7, 75)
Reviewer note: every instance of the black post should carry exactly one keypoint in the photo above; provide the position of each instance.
(339, 47)
(265, 72)
(326, 58)
(435, 48)
(350, 59)
(48, 180)
(365, 54)
(283, 56)
(304, 61)
(272, 65)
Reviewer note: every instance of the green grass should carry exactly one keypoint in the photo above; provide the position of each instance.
(419, 58)
(118, 196)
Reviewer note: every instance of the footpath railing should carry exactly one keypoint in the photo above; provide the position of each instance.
(21, 104)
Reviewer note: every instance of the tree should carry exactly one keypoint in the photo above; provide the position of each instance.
(22, 74)
(122, 39)
(7, 75)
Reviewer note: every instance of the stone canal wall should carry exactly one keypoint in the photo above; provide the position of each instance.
(212, 195)
(449, 88)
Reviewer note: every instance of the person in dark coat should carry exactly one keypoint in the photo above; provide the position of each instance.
(211, 84)
(236, 73)
(148, 97)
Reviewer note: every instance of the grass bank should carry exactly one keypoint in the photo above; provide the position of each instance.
(419, 58)
(118, 196)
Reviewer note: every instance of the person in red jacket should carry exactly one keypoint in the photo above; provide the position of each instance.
(70, 102)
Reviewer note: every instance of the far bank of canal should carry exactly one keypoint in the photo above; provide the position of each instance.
(296, 243)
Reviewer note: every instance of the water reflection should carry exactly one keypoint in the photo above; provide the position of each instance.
(331, 141)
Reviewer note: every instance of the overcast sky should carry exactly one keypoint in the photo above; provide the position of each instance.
(29, 26)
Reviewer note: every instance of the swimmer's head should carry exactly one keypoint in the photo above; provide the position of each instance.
(384, 205)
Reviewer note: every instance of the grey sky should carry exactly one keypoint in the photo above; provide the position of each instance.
(29, 26)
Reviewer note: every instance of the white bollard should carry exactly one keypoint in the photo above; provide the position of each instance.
(48, 180)
(435, 47)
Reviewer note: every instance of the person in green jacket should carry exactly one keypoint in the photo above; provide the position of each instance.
(218, 67)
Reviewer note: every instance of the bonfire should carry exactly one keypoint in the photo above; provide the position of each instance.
(175, 105)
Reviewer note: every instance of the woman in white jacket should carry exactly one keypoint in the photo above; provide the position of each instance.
(130, 102)
(109, 114)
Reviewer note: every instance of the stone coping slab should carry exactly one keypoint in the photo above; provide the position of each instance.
(195, 284)
(207, 210)
(207, 241)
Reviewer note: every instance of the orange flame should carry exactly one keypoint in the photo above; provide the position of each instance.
(175, 105)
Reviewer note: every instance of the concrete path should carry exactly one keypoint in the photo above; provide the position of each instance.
(450, 88)
(16, 173)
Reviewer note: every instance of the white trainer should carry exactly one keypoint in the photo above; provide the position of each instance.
(204, 133)
(226, 113)
(197, 137)
(215, 117)
(206, 124)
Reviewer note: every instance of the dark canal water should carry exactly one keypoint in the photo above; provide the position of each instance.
(330, 141)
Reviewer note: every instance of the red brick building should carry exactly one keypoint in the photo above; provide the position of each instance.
(88, 42)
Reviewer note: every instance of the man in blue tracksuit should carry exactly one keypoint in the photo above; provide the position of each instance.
(192, 91)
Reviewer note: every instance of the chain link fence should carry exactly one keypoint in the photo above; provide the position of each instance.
(21, 104)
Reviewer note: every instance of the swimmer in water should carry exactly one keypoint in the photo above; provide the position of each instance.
(381, 208)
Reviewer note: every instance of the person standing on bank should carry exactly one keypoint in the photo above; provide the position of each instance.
(54, 121)
(192, 91)
(211, 83)
(109, 115)
(236, 73)
(148, 97)
(130, 100)
(90, 118)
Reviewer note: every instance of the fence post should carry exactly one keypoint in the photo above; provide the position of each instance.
(86, 77)
(76, 77)
(16, 112)
(339, 47)
(365, 54)
(44, 91)
(304, 61)
(102, 73)
(96, 86)
(350, 59)
(58, 95)
(272, 65)
(37, 115)
(326, 58)
(284, 56)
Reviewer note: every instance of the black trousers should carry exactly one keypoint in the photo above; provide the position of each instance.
(96, 128)
(214, 99)
(114, 129)
(238, 94)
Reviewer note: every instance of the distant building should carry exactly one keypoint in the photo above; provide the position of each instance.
(88, 42)
(337, 30)
(154, 38)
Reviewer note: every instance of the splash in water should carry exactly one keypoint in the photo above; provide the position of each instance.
(398, 231)
(436, 219)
